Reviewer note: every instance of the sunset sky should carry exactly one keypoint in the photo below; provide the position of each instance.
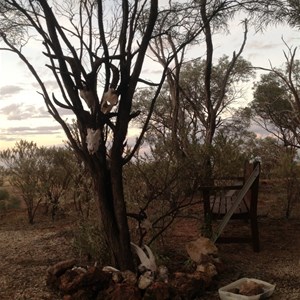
(22, 111)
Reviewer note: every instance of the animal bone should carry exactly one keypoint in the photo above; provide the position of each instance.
(93, 140)
(146, 260)
(109, 269)
(109, 100)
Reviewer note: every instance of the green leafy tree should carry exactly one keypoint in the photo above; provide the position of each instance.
(292, 12)
(279, 163)
(227, 156)
(288, 172)
(276, 104)
(269, 150)
(194, 113)
(4, 196)
(2, 175)
(55, 176)
(225, 77)
(24, 166)
(181, 25)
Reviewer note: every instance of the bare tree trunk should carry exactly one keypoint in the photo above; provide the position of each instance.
(121, 216)
(112, 211)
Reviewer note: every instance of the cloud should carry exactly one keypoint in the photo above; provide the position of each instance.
(258, 45)
(7, 138)
(7, 133)
(42, 135)
(17, 111)
(10, 90)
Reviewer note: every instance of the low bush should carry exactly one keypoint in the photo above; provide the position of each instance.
(89, 242)
(4, 194)
(7, 201)
(13, 203)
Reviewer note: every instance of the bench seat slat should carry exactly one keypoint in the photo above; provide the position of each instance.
(221, 204)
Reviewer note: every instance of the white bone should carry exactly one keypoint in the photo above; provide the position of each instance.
(146, 260)
(93, 140)
(109, 269)
(109, 100)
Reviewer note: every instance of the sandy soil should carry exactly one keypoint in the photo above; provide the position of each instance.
(26, 252)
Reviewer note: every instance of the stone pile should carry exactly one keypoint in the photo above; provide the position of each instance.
(205, 255)
(75, 282)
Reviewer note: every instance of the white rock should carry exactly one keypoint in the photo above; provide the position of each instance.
(208, 268)
(117, 277)
(201, 247)
(145, 280)
(163, 274)
(129, 277)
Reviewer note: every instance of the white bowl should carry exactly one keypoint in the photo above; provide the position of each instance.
(225, 294)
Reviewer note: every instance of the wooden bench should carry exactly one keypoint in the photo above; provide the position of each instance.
(219, 198)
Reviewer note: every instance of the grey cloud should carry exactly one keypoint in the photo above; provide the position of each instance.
(17, 133)
(152, 72)
(10, 111)
(8, 138)
(258, 44)
(22, 112)
(26, 130)
(10, 90)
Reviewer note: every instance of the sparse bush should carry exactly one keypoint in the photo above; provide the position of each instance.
(2, 172)
(13, 203)
(2, 206)
(289, 173)
(7, 201)
(166, 189)
(4, 194)
(89, 242)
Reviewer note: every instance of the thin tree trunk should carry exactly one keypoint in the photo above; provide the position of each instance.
(113, 219)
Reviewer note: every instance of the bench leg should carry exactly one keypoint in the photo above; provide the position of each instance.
(207, 214)
(255, 234)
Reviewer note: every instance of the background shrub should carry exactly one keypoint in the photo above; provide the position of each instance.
(7, 201)
(89, 242)
(4, 194)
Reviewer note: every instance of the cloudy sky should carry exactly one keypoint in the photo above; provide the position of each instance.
(23, 114)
